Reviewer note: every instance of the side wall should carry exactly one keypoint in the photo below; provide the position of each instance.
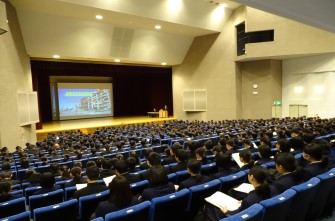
(15, 76)
(310, 81)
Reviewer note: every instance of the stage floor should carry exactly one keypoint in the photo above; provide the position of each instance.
(90, 125)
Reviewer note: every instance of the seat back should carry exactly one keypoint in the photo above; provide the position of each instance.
(172, 177)
(45, 199)
(65, 210)
(231, 181)
(182, 175)
(69, 191)
(138, 187)
(137, 212)
(87, 204)
(170, 207)
(98, 219)
(199, 193)
(253, 213)
(43, 169)
(278, 207)
(30, 191)
(12, 207)
(209, 169)
(24, 216)
(306, 193)
(327, 184)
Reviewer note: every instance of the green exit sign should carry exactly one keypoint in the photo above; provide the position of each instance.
(277, 103)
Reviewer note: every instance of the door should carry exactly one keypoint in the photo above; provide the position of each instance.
(296, 110)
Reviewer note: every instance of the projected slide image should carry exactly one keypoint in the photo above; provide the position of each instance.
(84, 101)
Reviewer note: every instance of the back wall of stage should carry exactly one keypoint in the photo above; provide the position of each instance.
(136, 89)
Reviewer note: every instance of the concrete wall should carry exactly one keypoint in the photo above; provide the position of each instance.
(15, 76)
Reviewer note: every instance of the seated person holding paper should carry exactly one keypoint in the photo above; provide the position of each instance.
(159, 184)
(258, 178)
(77, 178)
(317, 164)
(194, 168)
(224, 164)
(120, 197)
(289, 174)
(92, 175)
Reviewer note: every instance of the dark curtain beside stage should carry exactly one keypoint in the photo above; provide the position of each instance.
(136, 89)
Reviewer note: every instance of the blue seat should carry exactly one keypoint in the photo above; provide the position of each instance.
(69, 191)
(62, 211)
(198, 195)
(46, 199)
(24, 216)
(138, 187)
(253, 213)
(29, 192)
(88, 204)
(182, 175)
(62, 183)
(327, 184)
(231, 181)
(172, 177)
(270, 165)
(12, 207)
(170, 207)
(209, 169)
(43, 169)
(17, 192)
(137, 212)
(278, 207)
(306, 193)
(98, 219)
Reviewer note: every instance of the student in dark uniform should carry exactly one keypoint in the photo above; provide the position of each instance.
(92, 176)
(246, 158)
(77, 178)
(224, 164)
(119, 197)
(257, 177)
(121, 169)
(159, 184)
(290, 174)
(264, 153)
(317, 164)
(181, 158)
(5, 195)
(194, 168)
(47, 182)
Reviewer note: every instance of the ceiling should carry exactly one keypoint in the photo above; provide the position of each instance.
(69, 28)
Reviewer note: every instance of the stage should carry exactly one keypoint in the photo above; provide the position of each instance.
(88, 126)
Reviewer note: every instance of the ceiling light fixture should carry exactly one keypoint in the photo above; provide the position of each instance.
(158, 27)
(117, 60)
(99, 17)
(56, 56)
(163, 63)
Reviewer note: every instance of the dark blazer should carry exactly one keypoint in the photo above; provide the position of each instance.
(168, 160)
(146, 174)
(179, 167)
(47, 190)
(193, 181)
(108, 207)
(283, 183)
(314, 169)
(91, 188)
(263, 160)
(72, 183)
(152, 192)
(106, 173)
(144, 166)
(132, 178)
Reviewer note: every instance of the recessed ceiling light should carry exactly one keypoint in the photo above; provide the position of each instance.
(163, 63)
(99, 17)
(56, 56)
(158, 27)
(117, 60)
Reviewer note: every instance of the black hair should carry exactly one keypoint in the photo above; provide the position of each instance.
(121, 166)
(194, 166)
(119, 192)
(246, 155)
(5, 188)
(35, 178)
(92, 173)
(315, 151)
(154, 159)
(90, 163)
(287, 161)
(54, 167)
(131, 163)
(5, 166)
(223, 160)
(47, 180)
(264, 150)
(65, 170)
(261, 176)
(284, 146)
(76, 172)
(181, 155)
